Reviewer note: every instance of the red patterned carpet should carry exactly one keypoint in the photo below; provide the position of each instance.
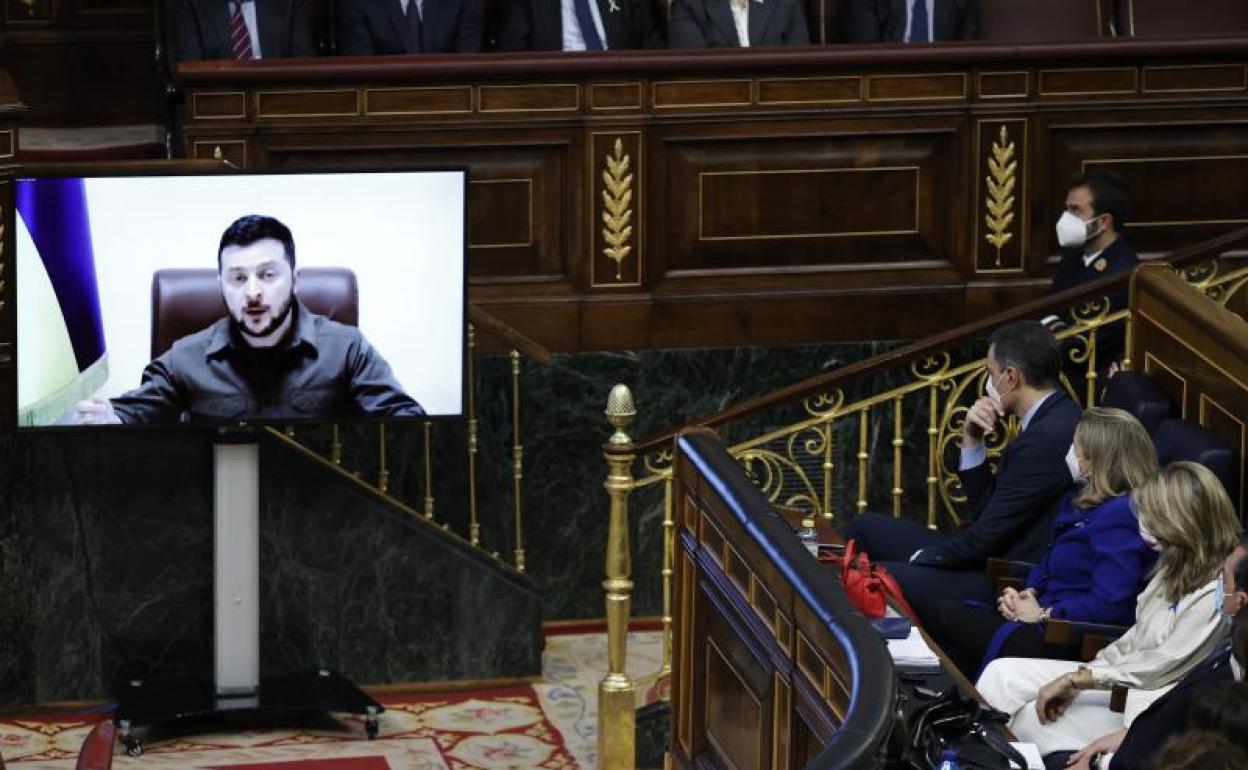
(502, 729)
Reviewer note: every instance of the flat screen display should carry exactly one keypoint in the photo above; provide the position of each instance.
(232, 298)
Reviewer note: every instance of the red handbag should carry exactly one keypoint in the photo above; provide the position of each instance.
(868, 586)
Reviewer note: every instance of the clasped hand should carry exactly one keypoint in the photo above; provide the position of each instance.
(981, 418)
(1020, 606)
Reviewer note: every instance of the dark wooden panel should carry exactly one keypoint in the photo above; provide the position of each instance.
(839, 199)
(829, 90)
(553, 97)
(308, 103)
(734, 714)
(233, 150)
(220, 105)
(911, 88)
(615, 96)
(84, 79)
(1195, 79)
(418, 101)
(29, 13)
(702, 93)
(8, 146)
(1003, 85)
(1094, 81)
(488, 197)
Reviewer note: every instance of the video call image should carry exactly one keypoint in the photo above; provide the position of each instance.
(240, 298)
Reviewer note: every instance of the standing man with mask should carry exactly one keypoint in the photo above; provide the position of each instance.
(1090, 235)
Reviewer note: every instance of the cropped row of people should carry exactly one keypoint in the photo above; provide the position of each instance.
(1114, 539)
(255, 29)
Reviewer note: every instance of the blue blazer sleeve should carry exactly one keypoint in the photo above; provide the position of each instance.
(1022, 493)
(1119, 560)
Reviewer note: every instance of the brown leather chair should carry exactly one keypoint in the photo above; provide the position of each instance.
(185, 300)
(1169, 18)
(1037, 21)
(97, 750)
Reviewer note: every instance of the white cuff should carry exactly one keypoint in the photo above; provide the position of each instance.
(972, 457)
(915, 555)
(1048, 319)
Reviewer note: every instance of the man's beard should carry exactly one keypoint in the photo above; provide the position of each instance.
(273, 325)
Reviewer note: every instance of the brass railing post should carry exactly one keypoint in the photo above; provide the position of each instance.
(669, 568)
(383, 474)
(335, 446)
(863, 430)
(517, 455)
(428, 469)
(474, 528)
(616, 699)
(829, 467)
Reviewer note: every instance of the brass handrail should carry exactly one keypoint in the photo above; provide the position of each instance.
(1037, 308)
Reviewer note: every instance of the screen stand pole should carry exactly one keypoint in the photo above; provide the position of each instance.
(236, 547)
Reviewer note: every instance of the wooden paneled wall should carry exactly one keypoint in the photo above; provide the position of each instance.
(675, 199)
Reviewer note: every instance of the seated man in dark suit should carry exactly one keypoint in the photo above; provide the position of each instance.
(577, 25)
(410, 26)
(1089, 232)
(1010, 513)
(252, 29)
(737, 23)
(1135, 748)
(911, 21)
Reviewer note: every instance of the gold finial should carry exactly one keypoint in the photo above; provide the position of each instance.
(217, 154)
(620, 413)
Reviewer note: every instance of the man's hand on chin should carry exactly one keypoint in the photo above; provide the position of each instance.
(95, 411)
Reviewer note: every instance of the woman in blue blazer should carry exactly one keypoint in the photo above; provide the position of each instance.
(1096, 563)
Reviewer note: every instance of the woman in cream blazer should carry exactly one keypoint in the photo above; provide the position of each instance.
(1186, 515)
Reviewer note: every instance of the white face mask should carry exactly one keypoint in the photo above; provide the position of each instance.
(1237, 671)
(1148, 538)
(991, 390)
(1072, 232)
(1072, 464)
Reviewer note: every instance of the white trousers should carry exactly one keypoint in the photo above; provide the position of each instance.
(1012, 684)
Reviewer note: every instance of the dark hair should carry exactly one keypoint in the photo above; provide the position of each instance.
(1239, 636)
(1223, 708)
(1241, 571)
(1110, 194)
(1030, 348)
(245, 231)
(1201, 750)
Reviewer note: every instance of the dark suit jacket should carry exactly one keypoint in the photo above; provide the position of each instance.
(1071, 272)
(376, 26)
(882, 21)
(537, 25)
(1012, 512)
(1167, 716)
(201, 29)
(709, 24)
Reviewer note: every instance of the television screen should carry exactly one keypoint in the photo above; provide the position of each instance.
(228, 298)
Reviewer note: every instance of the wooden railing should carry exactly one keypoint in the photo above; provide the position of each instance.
(915, 398)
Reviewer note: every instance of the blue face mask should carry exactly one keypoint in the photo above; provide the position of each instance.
(1219, 596)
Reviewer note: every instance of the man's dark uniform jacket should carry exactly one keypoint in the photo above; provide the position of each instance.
(537, 25)
(376, 26)
(1011, 512)
(1118, 257)
(201, 29)
(1167, 716)
(322, 369)
(710, 24)
(883, 21)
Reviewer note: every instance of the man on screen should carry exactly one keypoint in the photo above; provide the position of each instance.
(270, 358)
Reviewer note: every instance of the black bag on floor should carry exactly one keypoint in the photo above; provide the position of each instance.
(954, 721)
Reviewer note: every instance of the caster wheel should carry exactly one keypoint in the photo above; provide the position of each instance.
(133, 747)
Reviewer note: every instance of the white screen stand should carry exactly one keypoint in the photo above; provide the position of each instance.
(236, 548)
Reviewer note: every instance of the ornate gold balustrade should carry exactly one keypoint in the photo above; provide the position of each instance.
(881, 433)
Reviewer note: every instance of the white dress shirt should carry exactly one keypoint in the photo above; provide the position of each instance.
(741, 16)
(253, 28)
(573, 40)
(931, 12)
(420, 7)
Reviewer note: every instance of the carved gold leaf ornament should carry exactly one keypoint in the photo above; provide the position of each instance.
(617, 207)
(1001, 179)
(30, 7)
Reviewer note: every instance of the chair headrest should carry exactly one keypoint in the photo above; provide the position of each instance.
(1181, 440)
(185, 300)
(1135, 393)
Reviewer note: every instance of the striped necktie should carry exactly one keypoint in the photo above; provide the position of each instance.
(240, 38)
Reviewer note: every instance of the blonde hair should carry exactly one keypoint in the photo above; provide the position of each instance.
(1185, 507)
(1119, 452)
